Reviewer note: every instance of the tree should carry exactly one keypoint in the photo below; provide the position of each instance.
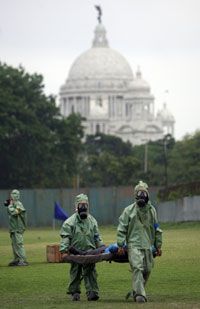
(109, 143)
(68, 148)
(184, 163)
(108, 161)
(37, 144)
(158, 154)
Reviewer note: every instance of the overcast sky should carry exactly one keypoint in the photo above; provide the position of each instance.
(161, 36)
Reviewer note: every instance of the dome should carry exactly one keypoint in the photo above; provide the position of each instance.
(100, 63)
(165, 115)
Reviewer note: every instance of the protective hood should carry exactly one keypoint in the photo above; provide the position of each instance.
(141, 186)
(15, 195)
(81, 198)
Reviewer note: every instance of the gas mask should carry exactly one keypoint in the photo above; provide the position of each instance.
(142, 198)
(83, 210)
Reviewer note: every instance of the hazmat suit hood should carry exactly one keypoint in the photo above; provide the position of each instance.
(141, 193)
(15, 195)
(82, 205)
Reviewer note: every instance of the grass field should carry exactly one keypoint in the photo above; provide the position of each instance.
(174, 282)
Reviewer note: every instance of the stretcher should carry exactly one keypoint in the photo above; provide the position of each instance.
(109, 254)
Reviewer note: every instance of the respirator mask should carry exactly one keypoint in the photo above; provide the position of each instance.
(83, 210)
(142, 198)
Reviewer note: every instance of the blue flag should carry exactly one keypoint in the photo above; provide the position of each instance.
(59, 212)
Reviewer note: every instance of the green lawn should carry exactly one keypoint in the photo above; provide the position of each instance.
(174, 282)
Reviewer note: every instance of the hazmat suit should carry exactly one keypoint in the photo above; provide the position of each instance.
(139, 229)
(17, 226)
(80, 232)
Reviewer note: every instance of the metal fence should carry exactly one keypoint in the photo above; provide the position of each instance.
(106, 204)
(185, 209)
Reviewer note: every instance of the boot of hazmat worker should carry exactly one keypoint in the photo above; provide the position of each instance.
(139, 229)
(80, 233)
(17, 226)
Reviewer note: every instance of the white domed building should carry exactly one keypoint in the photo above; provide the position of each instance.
(102, 88)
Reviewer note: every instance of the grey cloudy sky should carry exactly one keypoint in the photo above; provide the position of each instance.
(161, 36)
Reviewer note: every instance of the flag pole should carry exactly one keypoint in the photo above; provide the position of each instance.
(54, 224)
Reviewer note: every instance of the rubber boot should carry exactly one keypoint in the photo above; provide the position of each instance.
(22, 263)
(140, 299)
(13, 263)
(92, 296)
(76, 297)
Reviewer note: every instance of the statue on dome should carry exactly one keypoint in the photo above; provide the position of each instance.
(99, 12)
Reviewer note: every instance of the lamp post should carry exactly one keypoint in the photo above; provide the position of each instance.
(145, 155)
(146, 158)
(166, 139)
(165, 161)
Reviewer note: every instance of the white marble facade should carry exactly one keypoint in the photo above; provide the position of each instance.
(102, 88)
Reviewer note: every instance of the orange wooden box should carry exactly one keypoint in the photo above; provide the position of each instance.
(53, 253)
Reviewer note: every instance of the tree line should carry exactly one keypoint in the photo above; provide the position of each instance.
(42, 149)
